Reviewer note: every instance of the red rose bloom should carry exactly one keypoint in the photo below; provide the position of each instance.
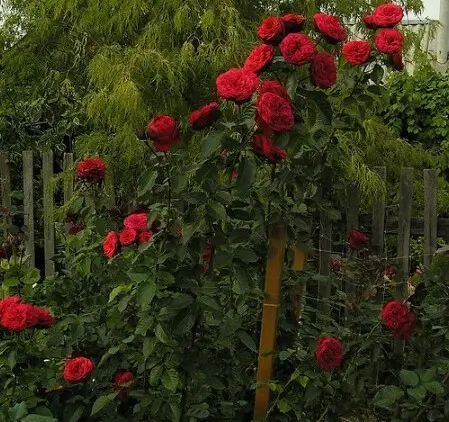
(44, 318)
(237, 85)
(110, 244)
(271, 30)
(6, 302)
(387, 15)
(337, 265)
(389, 41)
(398, 62)
(297, 49)
(179, 232)
(91, 170)
(144, 237)
(138, 222)
(369, 22)
(293, 22)
(275, 87)
(259, 58)
(393, 314)
(323, 71)
(122, 382)
(357, 240)
(390, 272)
(328, 353)
(128, 237)
(163, 131)
(75, 228)
(206, 258)
(330, 27)
(19, 317)
(357, 52)
(205, 116)
(275, 112)
(264, 146)
(78, 369)
(407, 327)
(234, 175)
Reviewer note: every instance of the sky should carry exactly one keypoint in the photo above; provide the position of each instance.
(431, 9)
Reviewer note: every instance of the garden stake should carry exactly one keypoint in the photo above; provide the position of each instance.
(275, 263)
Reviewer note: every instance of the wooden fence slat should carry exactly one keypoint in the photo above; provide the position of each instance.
(28, 205)
(377, 237)
(324, 287)
(49, 219)
(6, 190)
(430, 215)
(68, 182)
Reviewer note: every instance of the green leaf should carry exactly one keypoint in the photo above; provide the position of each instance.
(284, 406)
(216, 211)
(32, 276)
(117, 290)
(11, 282)
(434, 387)
(170, 379)
(240, 236)
(18, 411)
(247, 340)
(76, 415)
(429, 374)
(418, 393)
(123, 304)
(199, 411)
(388, 396)
(246, 174)
(148, 347)
(155, 374)
(99, 404)
(211, 142)
(185, 324)
(209, 303)
(409, 378)
(39, 418)
(139, 276)
(146, 182)
(246, 254)
(161, 335)
(377, 74)
(146, 293)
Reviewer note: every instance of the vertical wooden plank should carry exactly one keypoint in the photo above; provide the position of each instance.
(377, 238)
(28, 205)
(273, 276)
(300, 289)
(49, 221)
(325, 247)
(430, 215)
(68, 182)
(6, 190)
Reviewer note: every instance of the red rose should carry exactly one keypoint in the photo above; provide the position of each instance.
(275, 87)
(407, 327)
(293, 22)
(357, 240)
(271, 30)
(19, 317)
(110, 244)
(237, 85)
(330, 27)
(91, 170)
(323, 71)
(398, 62)
(357, 52)
(78, 369)
(138, 222)
(390, 272)
(206, 258)
(328, 353)
(128, 237)
(122, 382)
(264, 146)
(163, 131)
(387, 15)
(179, 232)
(389, 41)
(275, 112)
(44, 318)
(337, 265)
(234, 175)
(259, 58)
(369, 22)
(144, 237)
(6, 302)
(393, 314)
(75, 228)
(205, 116)
(297, 49)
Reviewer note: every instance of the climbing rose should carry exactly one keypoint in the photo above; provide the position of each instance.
(75, 228)
(259, 58)
(19, 317)
(122, 382)
(390, 272)
(330, 27)
(264, 146)
(271, 30)
(237, 85)
(128, 237)
(393, 314)
(110, 244)
(407, 327)
(337, 265)
(357, 52)
(369, 22)
(6, 302)
(398, 62)
(356, 240)
(275, 112)
(329, 353)
(163, 131)
(206, 258)
(293, 22)
(389, 41)
(144, 237)
(205, 116)
(275, 87)
(297, 49)
(387, 15)
(91, 170)
(138, 222)
(44, 318)
(323, 71)
(78, 369)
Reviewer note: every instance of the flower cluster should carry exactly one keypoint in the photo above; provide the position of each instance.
(397, 317)
(357, 240)
(91, 170)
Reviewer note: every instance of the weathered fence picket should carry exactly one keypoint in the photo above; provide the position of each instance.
(325, 247)
(6, 190)
(377, 238)
(430, 215)
(49, 213)
(28, 206)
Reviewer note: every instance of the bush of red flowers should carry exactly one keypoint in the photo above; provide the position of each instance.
(91, 170)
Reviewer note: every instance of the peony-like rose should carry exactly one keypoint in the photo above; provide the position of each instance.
(275, 112)
(137, 221)
(293, 22)
(237, 85)
(264, 146)
(357, 240)
(398, 62)
(128, 237)
(297, 49)
(387, 15)
(389, 41)
(407, 327)
(369, 22)
(271, 30)
(163, 131)
(357, 52)
(144, 237)
(44, 318)
(6, 302)
(91, 170)
(19, 317)
(259, 58)
(330, 27)
(205, 116)
(323, 71)
(393, 314)
(275, 87)
(328, 353)
(78, 369)
(111, 244)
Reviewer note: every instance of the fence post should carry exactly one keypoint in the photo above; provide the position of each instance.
(430, 215)
(49, 218)
(377, 240)
(299, 290)
(28, 205)
(6, 190)
(325, 247)
(275, 263)
(68, 182)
